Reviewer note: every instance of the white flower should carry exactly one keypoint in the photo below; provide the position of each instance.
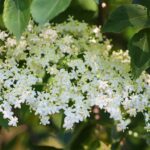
(13, 121)
(7, 114)
(30, 27)
(49, 34)
(109, 47)
(11, 42)
(92, 40)
(45, 120)
(3, 35)
(123, 125)
(96, 30)
(147, 127)
(103, 84)
(65, 48)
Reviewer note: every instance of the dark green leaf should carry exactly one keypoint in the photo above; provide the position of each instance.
(83, 135)
(89, 11)
(45, 10)
(131, 15)
(46, 148)
(139, 49)
(58, 119)
(16, 15)
(113, 4)
(94, 145)
(3, 122)
(145, 3)
(1, 13)
(88, 5)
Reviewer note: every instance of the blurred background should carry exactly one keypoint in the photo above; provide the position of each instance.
(97, 132)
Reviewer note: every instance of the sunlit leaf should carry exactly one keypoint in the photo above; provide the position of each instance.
(16, 15)
(45, 10)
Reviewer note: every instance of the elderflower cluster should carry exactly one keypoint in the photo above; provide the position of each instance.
(72, 64)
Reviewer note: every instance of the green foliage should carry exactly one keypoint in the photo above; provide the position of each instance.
(88, 9)
(46, 148)
(145, 3)
(131, 15)
(113, 4)
(1, 13)
(89, 5)
(57, 119)
(97, 1)
(137, 18)
(119, 2)
(139, 47)
(49, 9)
(16, 16)
(3, 122)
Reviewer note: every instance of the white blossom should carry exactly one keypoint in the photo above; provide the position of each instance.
(75, 74)
(3, 35)
(13, 121)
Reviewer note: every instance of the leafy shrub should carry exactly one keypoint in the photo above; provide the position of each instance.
(136, 17)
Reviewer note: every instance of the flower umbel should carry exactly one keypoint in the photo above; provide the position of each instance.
(80, 73)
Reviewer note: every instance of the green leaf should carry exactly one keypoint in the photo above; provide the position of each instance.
(114, 4)
(16, 15)
(58, 119)
(1, 13)
(145, 3)
(131, 15)
(88, 9)
(3, 122)
(45, 10)
(98, 1)
(139, 49)
(46, 148)
(89, 5)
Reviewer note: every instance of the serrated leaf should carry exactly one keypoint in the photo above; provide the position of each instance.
(45, 10)
(16, 15)
(139, 49)
(131, 15)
